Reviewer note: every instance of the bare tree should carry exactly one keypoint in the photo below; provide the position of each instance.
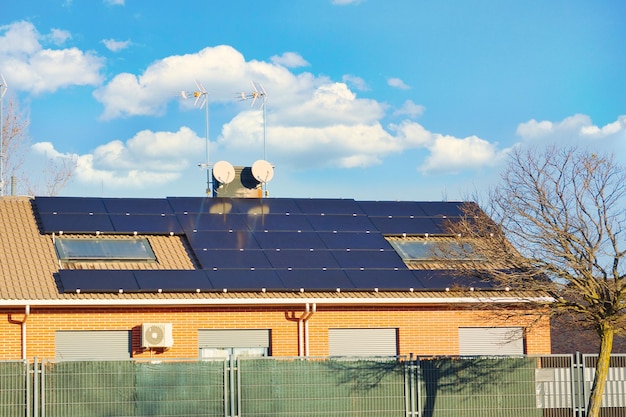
(56, 172)
(558, 220)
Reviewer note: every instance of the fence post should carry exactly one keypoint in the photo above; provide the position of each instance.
(408, 386)
(578, 386)
(35, 387)
(27, 377)
(417, 398)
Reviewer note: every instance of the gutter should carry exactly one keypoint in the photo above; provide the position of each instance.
(276, 301)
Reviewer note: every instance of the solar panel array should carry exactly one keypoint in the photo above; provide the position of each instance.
(251, 244)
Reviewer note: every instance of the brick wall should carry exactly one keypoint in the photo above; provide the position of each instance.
(421, 330)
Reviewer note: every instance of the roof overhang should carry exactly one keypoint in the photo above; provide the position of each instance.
(286, 302)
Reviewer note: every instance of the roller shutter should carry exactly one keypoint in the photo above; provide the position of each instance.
(491, 341)
(363, 342)
(96, 345)
(233, 338)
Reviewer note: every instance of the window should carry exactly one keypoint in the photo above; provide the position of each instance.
(431, 250)
(227, 343)
(491, 341)
(92, 345)
(363, 342)
(103, 249)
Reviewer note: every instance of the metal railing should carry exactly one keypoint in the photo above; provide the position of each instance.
(546, 386)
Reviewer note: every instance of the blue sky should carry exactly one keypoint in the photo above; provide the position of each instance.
(370, 99)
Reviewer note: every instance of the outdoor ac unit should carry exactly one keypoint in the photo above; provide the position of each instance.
(156, 335)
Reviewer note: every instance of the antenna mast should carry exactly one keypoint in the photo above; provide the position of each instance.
(258, 92)
(3, 90)
(201, 96)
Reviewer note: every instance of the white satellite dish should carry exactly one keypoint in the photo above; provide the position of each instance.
(224, 172)
(262, 171)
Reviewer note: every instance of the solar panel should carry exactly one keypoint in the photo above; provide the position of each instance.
(216, 205)
(354, 240)
(328, 206)
(444, 223)
(315, 279)
(222, 240)
(137, 206)
(442, 208)
(441, 279)
(405, 225)
(83, 205)
(199, 221)
(245, 279)
(285, 222)
(173, 280)
(304, 258)
(145, 223)
(392, 208)
(387, 279)
(368, 259)
(346, 223)
(266, 205)
(289, 240)
(232, 259)
(75, 223)
(97, 280)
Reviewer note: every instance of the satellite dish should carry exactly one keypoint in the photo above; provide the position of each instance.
(224, 172)
(262, 171)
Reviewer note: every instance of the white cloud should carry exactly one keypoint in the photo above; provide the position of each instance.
(356, 82)
(409, 108)
(115, 46)
(450, 154)
(289, 60)
(397, 83)
(147, 159)
(59, 37)
(114, 2)
(312, 122)
(577, 128)
(31, 67)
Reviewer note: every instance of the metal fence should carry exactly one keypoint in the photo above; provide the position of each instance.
(546, 386)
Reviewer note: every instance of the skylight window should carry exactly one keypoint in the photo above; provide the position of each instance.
(103, 249)
(435, 250)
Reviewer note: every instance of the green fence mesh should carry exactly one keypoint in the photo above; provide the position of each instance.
(180, 389)
(325, 387)
(322, 388)
(133, 389)
(89, 389)
(12, 388)
(480, 387)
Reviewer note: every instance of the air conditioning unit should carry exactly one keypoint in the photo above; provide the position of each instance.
(156, 335)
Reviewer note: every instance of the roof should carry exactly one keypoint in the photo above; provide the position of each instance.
(226, 251)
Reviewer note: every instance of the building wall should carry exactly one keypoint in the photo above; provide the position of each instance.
(421, 330)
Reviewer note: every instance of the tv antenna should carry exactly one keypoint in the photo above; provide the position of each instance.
(3, 90)
(258, 93)
(201, 100)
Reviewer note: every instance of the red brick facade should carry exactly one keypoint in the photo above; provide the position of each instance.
(422, 330)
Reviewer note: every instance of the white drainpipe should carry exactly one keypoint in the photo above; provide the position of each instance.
(23, 324)
(306, 328)
(303, 329)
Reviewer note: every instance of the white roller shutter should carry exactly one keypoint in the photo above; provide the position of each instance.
(92, 345)
(363, 342)
(491, 341)
(233, 338)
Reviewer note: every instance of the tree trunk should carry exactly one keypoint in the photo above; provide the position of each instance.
(602, 370)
